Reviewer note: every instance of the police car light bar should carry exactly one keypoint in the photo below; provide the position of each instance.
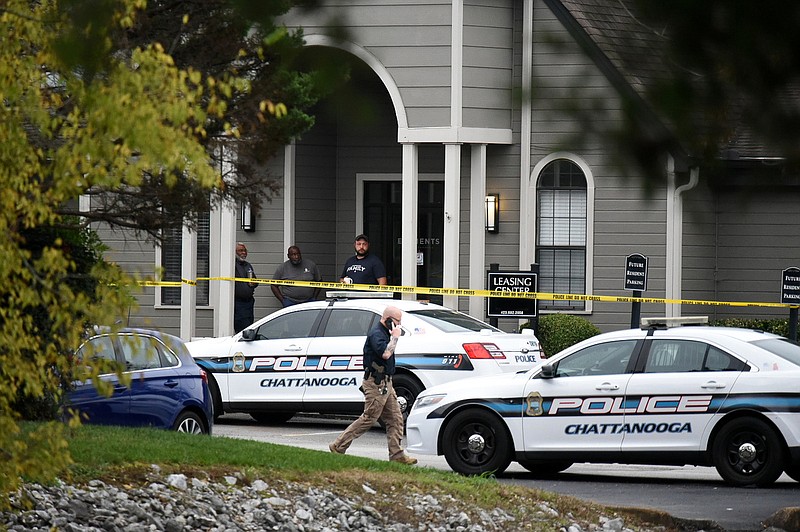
(666, 323)
(355, 294)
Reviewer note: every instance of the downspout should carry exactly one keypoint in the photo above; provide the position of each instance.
(674, 251)
(527, 218)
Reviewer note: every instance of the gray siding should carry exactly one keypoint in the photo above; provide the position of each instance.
(412, 40)
(487, 63)
(757, 240)
(573, 104)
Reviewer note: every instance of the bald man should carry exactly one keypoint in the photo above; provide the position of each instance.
(380, 399)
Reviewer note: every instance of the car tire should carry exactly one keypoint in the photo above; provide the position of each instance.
(190, 423)
(748, 452)
(407, 389)
(272, 418)
(475, 442)
(216, 396)
(541, 468)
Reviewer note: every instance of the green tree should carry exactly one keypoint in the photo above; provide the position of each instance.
(82, 114)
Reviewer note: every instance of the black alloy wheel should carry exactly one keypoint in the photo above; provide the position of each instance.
(475, 442)
(748, 452)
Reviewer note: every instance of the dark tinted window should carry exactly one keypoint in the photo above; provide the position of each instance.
(450, 321)
(680, 356)
(140, 352)
(99, 347)
(292, 325)
(608, 358)
(782, 347)
(350, 322)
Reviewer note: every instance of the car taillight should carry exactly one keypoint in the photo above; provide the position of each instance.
(204, 375)
(483, 351)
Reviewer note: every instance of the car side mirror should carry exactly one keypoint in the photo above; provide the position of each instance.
(248, 335)
(548, 371)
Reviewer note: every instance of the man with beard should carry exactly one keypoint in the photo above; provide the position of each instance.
(243, 300)
(296, 269)
(363, 268)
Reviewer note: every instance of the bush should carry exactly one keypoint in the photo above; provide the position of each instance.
(776, 325)
(560, 331)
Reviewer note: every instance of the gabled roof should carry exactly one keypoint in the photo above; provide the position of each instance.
(633, 57)
(635, 50)
(630, 54)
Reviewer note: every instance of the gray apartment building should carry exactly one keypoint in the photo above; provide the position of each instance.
(452, 121)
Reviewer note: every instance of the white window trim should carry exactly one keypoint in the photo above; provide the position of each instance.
(213, 268)
(532, 202)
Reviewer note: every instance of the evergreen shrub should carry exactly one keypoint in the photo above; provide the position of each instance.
(560, 331)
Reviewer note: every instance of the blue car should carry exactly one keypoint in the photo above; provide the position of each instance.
(166, 390)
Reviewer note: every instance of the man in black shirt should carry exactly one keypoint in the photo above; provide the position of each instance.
(380, 399)
(243, 300)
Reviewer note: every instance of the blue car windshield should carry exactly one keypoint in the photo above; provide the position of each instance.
(782, 347)
(449, 321)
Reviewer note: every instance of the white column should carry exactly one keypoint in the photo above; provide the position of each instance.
(477, 229)
(452, 207)
(188, 291)
(225, 255)
(289, 157)
(410, 191)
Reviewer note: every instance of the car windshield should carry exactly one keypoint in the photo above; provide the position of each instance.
(782, 347)
(447, 320)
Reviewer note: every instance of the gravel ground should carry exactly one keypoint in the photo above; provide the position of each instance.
(175, 502)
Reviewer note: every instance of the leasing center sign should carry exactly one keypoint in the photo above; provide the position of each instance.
(503, 307)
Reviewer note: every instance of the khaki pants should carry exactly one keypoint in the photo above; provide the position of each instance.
(376, 406)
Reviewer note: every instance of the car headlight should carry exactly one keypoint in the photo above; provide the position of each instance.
(429, 400)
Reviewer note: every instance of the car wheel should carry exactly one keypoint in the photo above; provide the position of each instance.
(476, 442)
(190, 423)
(543, 468)
(747, 451)
(407, 389)
(272, 418)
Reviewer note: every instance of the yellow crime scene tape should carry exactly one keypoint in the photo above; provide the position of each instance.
(464, 292)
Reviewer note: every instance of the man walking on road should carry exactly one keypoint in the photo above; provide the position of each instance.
(380, 399)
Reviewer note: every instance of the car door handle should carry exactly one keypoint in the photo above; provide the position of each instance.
(171, 383)
(607, 386)
(714, 385)
(120, 388)
(293, 348)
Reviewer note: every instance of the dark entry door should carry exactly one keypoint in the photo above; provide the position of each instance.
(383, 225)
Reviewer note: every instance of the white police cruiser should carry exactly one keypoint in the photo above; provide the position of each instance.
(308, 357)
(657, 395)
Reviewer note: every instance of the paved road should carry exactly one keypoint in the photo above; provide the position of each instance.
(696, 493)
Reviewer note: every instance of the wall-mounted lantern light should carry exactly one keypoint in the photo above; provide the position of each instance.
(492, 213)
(248, 217)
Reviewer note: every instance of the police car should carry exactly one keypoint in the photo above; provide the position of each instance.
(662, 394)
(308, 357)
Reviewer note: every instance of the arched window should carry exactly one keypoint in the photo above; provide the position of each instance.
(561, 233)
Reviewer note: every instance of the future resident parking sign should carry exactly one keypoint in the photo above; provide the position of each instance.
(636, 272)
(790, 286)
